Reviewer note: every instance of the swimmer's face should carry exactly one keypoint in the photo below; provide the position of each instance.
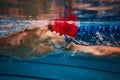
(51, 37)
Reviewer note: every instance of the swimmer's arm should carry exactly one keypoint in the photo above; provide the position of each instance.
(96, 50)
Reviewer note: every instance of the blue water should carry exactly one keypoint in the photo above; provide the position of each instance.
(59, 67)
(64, 65)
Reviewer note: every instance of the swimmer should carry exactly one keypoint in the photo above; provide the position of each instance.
(36, 42)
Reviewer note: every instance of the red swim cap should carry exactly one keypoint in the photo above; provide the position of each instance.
(63, 27)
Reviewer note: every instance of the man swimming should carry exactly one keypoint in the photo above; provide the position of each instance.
(36, 42)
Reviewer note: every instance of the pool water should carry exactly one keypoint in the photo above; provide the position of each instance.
(61, 67)
(64, 65)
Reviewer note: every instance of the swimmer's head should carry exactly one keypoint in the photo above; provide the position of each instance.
(63, 27)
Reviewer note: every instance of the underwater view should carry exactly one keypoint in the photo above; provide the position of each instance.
(59, 40)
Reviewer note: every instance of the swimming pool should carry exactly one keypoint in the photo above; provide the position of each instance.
(64, 66)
